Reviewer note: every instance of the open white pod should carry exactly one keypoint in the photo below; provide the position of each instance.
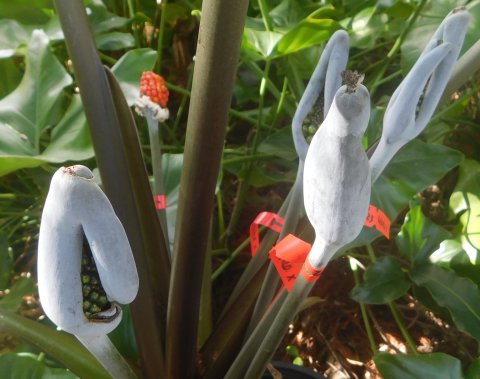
(337, 181)
(77, 208)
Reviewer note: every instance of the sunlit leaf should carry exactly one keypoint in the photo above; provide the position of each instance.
(465, 201)
(403, 366)
(384, 281)
(129, 68)
(460, 296)
(419, 236)
(263, 42)
(415, 167)
(307, 33)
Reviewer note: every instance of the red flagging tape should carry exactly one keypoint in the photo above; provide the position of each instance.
(288, 257)
(160, 201)
(377, 219)
(268, 219)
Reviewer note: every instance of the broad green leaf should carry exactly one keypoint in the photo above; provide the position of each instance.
(307, 33)
(463, 266)
(279, 144)
(128, 71)
(419, 236)
(473, 371)
(263, 42)
(23, 286)
(459, 295)
(415, 167)
(12, 35)
(384, 281)
(448, 250)
(101, 19)
(366, 28)
(35, 105)
(114, 41)
(403, 366)
(32, 107)
(25, 366)
(465, 200)
(63, 347)
(123, 337)
(70, 139)
(289, 13)
(26, 11)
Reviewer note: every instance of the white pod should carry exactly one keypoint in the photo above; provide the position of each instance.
(337, 181)
(404, 120)
(77, 207)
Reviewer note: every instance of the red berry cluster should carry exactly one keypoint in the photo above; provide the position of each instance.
(153, 86)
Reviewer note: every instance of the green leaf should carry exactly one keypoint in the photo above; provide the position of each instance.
(419, 236)
(114, 41)
(23, 286)
(23, 366)
(307, 33)
(129, 69)
(459, 295)
(123, 336)
(279, 144)
(403, 366)
(102, 20)
(12, 35)
(261, 42)
(61, 346)
(34, 106)
(473, 371)
(70, 139)
(384, 281)
(465, 200)
(415, 167)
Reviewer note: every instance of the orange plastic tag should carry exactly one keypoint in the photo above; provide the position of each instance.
(376, 218)
(270, 220)
(310, 273)
(160, 201)
(288, 257)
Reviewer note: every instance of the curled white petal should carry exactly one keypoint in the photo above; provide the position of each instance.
(337, 179)
(75, 207)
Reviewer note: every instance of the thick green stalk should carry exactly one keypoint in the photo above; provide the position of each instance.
(124, 179)
(217, 55)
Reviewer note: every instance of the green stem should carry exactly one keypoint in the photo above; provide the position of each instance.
(363, 309)
(221, 218)
(230, 258)
(183, 102)
(267, 19)
(161, 33)
(401, 326)
(217, 54)
(158, 188)
(394, 310)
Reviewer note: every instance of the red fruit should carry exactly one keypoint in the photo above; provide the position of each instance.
(153, 86)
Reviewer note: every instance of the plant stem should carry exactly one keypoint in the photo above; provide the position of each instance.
(230, 259)
(267, 20)
(158, 188)
(107, 354)
(217, 54)
(394, 310)
(363, 309)
(161, 32)
(401, 326)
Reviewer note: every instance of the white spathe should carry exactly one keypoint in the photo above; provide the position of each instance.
(337, 180)
(76, 206)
